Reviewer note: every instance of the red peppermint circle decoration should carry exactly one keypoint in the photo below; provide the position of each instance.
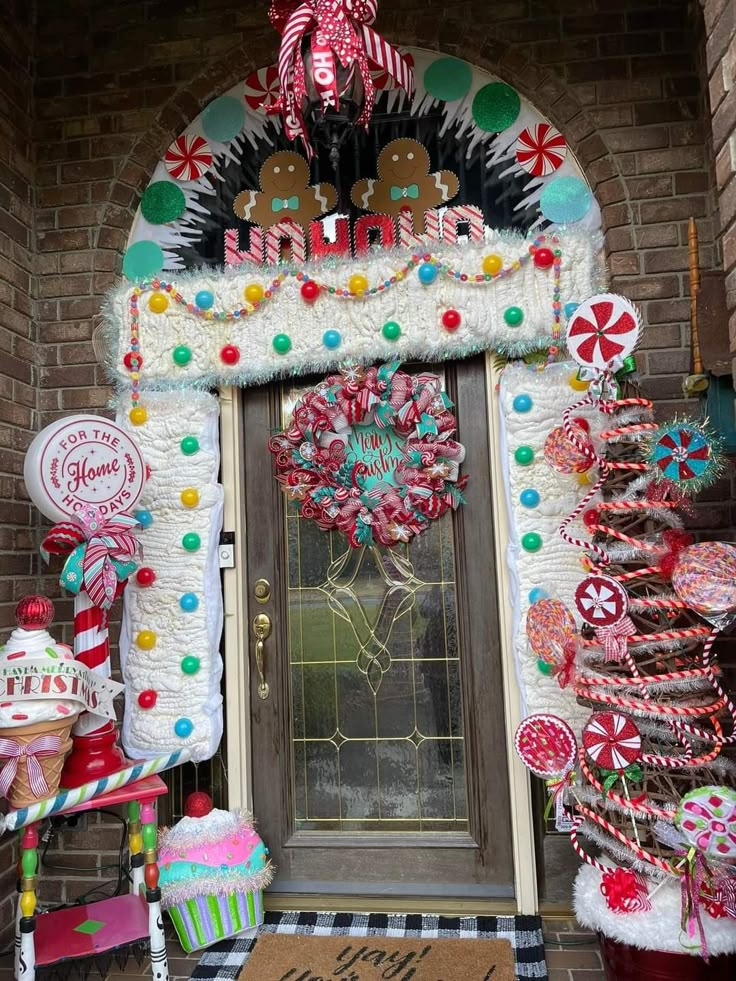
(546, 745)
(601, 601)
(262, 88)
(188, 158)
(540, 149)
(370, 452)
(612, 740)
(603, 331)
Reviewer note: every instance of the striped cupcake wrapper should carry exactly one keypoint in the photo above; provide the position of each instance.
(205, 920)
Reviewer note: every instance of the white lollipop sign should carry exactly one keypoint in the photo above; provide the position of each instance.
(83, 461)
(603, 331)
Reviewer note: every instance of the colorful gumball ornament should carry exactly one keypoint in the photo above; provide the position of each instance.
(612, 740)
(704, 577)
(562, 455)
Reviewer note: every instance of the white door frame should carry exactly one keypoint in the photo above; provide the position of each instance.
(237, 640)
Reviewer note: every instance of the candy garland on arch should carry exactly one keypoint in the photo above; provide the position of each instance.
(640, 658)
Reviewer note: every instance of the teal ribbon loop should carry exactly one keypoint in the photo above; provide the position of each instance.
(412, 191)
(284, 204)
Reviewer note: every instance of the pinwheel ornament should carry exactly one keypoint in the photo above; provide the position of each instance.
(686, 454)
(540, 149)
(603, 331)
(262, 88)
(188, 158)
(612, 741)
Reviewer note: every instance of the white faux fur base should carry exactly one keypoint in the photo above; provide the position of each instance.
(659, 929)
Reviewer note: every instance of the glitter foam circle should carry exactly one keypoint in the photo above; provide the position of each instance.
(612, 740)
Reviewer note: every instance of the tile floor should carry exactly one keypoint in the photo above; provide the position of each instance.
(572, 955)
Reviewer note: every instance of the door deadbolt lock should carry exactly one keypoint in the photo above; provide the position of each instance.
(262, 590)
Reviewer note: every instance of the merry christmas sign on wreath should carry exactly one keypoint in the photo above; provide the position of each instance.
(370, 452)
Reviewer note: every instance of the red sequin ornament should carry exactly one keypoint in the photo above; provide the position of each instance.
(34, 613)
(197, 804)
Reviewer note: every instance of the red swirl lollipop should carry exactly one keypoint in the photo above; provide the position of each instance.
(612, 740)
(550, 629)
(546, 745)
(601, 601)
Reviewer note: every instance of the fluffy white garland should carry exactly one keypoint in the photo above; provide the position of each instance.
(418, 309)
(149, 732)
(556, 567)
(658, 929)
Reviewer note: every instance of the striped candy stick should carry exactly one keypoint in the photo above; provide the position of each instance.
(640, 852)
(625, 802)
(707, 650)
(291, 232)
(580, 851)
(67, 799)
(234, 255)
(92, 648)
(463, 214)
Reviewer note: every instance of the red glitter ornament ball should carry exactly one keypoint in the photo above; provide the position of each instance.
(451, 320)
(145, 576)
(582, 423)
(130, 358)
(230, 354)
(310, 291)
(198, 804)
(543, 258)
(34, 613)
(147, 699)
(590, 517)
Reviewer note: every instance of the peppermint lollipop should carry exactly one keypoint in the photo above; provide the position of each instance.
(707, 818)
(262, 88)
(188, 158)
(603, 331)
(705, 578)
(612, 740)
(540, 149)
(546, 745)
(550, 628)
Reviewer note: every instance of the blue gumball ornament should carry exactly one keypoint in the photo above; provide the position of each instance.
(529, 497)
(537, 594)
(427, 273)
(523, 403)
(204, 299)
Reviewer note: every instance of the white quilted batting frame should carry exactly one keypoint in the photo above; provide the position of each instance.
(417, 308)
(196, 697)
(556, 566)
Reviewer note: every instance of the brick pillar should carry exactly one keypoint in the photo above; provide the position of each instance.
(720, 52)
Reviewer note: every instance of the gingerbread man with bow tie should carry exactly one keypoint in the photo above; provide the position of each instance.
(405, 183)
(285, 192)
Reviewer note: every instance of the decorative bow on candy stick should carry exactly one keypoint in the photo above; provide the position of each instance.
(105, 548)
(14, 751)
(337, 29)
(614, 639)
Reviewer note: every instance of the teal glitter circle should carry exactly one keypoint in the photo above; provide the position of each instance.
(162, 202)
(223, 119)
(448, 79)
(565, 199)
(143, 259)
(496, 107)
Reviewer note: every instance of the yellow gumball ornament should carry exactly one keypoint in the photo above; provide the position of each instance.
(158, 302)
(138, 415)
(577, 384)
(492, 264)
(253, 293)
(146, 640)
(190, 497)
(358, 284)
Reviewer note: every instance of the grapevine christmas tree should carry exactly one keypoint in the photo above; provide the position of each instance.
(647, 779)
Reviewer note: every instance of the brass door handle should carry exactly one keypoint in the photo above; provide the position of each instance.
(262, 631)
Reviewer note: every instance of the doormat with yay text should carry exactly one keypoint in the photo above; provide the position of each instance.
(282, 958)
(383, 934)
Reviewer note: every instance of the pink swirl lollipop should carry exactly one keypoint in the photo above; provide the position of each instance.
(705, 579)
(550, 629)
(546, 745)
(562, 456)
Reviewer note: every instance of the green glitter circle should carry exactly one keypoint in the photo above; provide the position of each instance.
(182, 355)
(448, 79)
(531, 542)
(391, 330)
(162, 202)
(496, 107)
(191, 541)
(524, 455)
(190, 664)
(143, 259)
(282, 343)
(189, 445)
(513, 316)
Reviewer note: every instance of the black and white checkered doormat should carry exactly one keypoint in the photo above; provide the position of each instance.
(226, 959)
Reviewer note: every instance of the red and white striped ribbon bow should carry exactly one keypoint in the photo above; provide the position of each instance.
(106, 539)
(14, 751)
(614, 638)
(337, 29)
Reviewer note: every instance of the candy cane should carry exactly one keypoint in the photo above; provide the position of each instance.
(658, 603)
(681, 633)
(234, 255)
(707, 648)
(625, 802)
(580, 851)
(652, 679)
(463, 214)
(645, 708)
(639, 427)
(67, 799)
(407, 236)
(432, 224)
(636, 849)
(290, 231)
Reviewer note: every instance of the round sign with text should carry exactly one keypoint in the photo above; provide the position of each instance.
(83, 461)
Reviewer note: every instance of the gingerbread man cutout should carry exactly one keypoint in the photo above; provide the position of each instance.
(405, 183)
(285, 192)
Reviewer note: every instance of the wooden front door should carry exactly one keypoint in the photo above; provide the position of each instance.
(379, 756)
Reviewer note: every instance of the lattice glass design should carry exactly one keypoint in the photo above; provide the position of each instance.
(375, 686)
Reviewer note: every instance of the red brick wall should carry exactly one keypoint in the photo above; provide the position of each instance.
(720, 56)
(18, 371)
(116, 81)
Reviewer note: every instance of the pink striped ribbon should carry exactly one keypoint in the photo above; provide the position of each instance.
(14, 751)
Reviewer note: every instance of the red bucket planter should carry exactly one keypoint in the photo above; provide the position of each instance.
(623, 962)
